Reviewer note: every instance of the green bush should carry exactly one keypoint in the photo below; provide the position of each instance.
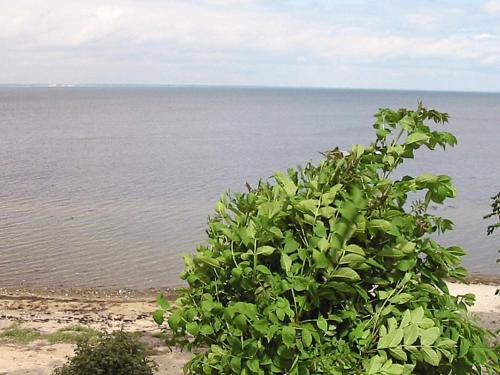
(333, 269)
(119, 353)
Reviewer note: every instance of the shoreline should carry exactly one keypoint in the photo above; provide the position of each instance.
(118, 294)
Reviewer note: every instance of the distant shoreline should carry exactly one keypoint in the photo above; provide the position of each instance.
(229, 87)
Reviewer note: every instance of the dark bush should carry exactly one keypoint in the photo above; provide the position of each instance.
(119, 353)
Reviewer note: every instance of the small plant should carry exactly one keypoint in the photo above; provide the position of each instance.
(119, 353)
(73, 334)
(334, 269)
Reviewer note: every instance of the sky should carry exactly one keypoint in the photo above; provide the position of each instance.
(432, 45)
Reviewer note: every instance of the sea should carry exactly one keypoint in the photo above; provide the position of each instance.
(108, 187)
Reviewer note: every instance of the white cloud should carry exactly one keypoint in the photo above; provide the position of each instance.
(185, 26)
(491, 6)
(153, 34)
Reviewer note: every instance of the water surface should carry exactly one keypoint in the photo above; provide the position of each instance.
(107, 187)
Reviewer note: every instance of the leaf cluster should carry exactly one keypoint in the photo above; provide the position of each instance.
(495, 213)
(325, 270)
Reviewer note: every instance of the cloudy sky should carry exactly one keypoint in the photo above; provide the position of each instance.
(439, 44)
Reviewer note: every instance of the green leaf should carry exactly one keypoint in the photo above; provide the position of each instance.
(288, 185)
(240, 322)
(236, 364)
(355, 249)
(426, 179)
(399, 354)
(464, 347)
(193, 328)
(263, 269)
(416, 137)
(261, 326)
(322, 324)
(319, 230)
(265, 250)
(162, 302)
(158, 316)
(407, 122)
(391, 340)
(306, 337)
(253, 365)
(358, 150)
(411, 333)
(208, 260)
(346, 273)
(308, 205)
(320, 259)
(446, 343)
(323, 244)
(417, 315)
(352, 259)
(288, 335)
(401, 298)
(426, 323)
(374, 365)
(428, 336)
(206, 330)
(174, 320)
(290, 245)
(430, 356)
(379, 224)
(286, 262)
(406, 319)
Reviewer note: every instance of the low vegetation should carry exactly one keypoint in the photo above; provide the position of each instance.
(119, 353)
(334, 268)
(19, 335)
(73, 334)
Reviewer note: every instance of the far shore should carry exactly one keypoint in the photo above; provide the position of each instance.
(41, 314)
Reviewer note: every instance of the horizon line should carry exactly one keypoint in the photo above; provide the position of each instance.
(187, 85)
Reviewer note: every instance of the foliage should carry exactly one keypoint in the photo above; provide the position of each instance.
(119, 353)
(495, 213)
(328, 270)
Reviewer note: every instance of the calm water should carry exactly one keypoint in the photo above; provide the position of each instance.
(107, 187)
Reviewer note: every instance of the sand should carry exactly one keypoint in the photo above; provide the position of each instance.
(47, 311)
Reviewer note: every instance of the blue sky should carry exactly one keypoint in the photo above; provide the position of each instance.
(436, 45)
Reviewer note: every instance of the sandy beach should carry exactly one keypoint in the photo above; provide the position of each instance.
(43, 314)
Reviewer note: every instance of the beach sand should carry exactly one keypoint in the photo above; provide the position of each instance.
(49, 310)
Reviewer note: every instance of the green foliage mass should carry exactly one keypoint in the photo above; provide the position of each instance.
(332, 269)
(119, 353)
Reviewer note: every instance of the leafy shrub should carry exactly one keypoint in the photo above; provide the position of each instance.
(119, 353)
(330, 270)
